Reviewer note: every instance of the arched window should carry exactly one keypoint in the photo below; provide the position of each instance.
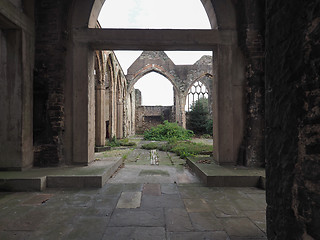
(197, 91)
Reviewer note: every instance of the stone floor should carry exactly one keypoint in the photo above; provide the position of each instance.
(139, 202)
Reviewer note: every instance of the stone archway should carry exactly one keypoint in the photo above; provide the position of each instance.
(180, 76)
(228, 80)
(159, 62)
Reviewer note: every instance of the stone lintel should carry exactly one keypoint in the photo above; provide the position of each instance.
(14, 18)
(154, 39)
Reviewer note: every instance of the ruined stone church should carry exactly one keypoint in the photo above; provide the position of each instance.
(62, 91)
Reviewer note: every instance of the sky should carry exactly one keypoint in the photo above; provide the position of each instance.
(155, 14)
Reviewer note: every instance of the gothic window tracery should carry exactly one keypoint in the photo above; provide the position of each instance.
(198, 90)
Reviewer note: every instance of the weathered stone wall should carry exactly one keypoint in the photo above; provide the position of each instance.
(49, 77)
(151, 116)
(182, 77)
(293, 119)
(251, 27)
(138, 99)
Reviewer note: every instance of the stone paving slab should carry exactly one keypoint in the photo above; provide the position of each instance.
(258, 218)
(217, 235)
(241, 227)
(162, 201)
(205, 221)
(129, 200)
(153, 174)
(88, 228)
(152, 189)
(137, 217)
(170, 188)
(136, 233)
(177, 220)
(196, 205)
(38, 199)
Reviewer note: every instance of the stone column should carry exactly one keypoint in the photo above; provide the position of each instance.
(113, 110)
(179, 109)
(83, 134)
(16, 129)
(182, 110)
(228, 104)
(120, 118)
(100, 115)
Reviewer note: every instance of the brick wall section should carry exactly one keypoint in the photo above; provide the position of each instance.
(251, 40)
(293, 119)
(151, 116)
(50, 70)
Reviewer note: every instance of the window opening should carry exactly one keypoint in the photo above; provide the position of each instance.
(197, 91)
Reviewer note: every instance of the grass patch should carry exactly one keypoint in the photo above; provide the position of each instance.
(120, 142)
(125, 155)
(150, 146)
(183, 149)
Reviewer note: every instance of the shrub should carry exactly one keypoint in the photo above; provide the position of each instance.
(199, 118)
(168, 131)
(113, 142)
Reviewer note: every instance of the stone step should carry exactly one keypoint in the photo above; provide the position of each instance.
(213, 175)
(83, 180)
(93, 176)
(22, 184)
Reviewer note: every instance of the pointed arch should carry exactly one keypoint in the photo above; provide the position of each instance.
(152, 68)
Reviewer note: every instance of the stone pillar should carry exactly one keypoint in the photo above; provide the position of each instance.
(120, 118)
(133, 114)
(83, 105)
(100, 115)
(113, 110)
(16, 129)
(182, 110)
(228, 104)
(179, 109)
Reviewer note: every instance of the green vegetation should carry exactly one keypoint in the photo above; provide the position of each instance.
(167, 131)
(199, 118)
(122, 142)
(149, 146)
(183, 149)
(125, 155)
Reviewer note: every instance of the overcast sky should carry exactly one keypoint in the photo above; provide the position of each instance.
(170, 14)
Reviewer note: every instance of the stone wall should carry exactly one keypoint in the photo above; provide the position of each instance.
(151, 116)
(138, 98)
(293, 119)
(49, 77)
(251, 27)
(182, 77)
